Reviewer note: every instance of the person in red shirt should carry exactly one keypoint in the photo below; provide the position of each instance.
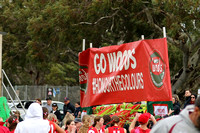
(97, 127)
(54, 128)
(114, 126)
(143, 119)
(11, 123)
(3, 129)
(70, 127)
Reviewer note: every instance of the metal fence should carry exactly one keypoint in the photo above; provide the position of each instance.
(27, 92)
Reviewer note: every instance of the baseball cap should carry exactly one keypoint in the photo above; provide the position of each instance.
(76, 120)
(66, 99)
(143, 118)
(48, 98)
(54, 105)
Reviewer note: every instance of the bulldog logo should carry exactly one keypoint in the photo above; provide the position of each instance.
(157, 69)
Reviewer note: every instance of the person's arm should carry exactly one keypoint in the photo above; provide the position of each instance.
(125, 130)
(153, 119)
(59, 129)
(132, 126)
(106, 130)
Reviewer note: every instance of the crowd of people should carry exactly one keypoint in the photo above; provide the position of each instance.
(48, 119)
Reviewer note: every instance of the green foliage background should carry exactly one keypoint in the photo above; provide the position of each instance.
(44, 37)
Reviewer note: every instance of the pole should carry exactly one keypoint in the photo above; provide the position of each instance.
(164, 32)
(142, 36)
(90, 45)
(1, 65)
(83, 45)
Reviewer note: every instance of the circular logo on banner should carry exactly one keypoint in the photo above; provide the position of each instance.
(157, 69)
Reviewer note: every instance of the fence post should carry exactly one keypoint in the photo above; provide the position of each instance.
(66, 90)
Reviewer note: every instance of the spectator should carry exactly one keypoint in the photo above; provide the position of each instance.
(86, 120)
(68, 106)
(176, 105)
(33, 122)
(107, 120)
(67, 117)
(53, 126)
(17, 113)
(3, 129)
(56, 111)
(97, 127)
(115, 126)
(187, 97)
(49, 104)
(143, 120)
(70, 127)
(193, 98)
(77, 112)
(12, 123)
(188, 121)
(39, 101)
(78, 124)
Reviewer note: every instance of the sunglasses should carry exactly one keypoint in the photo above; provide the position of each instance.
(192, 97)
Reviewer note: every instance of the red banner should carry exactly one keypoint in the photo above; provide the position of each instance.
(131, 72)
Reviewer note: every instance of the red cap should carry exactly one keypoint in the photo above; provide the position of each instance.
(144, 118)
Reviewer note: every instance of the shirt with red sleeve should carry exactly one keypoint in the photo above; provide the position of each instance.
(115, 129)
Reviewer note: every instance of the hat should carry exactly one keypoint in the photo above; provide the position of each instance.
(66, 99)
(48, 98)
(143, 118)
(76, 120)
(54, 105)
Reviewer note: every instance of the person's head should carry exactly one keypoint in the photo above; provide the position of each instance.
(193, 97)
(77, 104)
(70, 125)
(107, 119)
(175, 99)
(66, 100)
(49, 100)
(187, 93)
(52, 117)
(38, 101)
(17, 113)
(195, 116)
(114, 120)
(78, 123)
(98, 121)
(12, 122)
(45, 112)
(144, 118)
(86, 120)
(54, 106)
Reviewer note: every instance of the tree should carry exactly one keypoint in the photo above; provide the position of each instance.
(43, 37)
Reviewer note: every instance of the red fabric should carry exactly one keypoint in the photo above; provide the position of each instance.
(115, 129)
(121, 75)
(12, 131)
(66, 131)
(92, 130)
(52, 127)
(3, 129)
(144, 118)
(140, 130)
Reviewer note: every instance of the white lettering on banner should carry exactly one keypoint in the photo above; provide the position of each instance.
(124, 82)
(117, 61)
(157, 67)
(99, 67)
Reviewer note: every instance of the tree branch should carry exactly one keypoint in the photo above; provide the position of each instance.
(100, 19)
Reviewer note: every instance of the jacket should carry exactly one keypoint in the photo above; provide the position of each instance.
(176, 124)
(33, 122)
(68, 107)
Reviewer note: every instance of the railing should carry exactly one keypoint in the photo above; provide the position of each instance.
(6, 77)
